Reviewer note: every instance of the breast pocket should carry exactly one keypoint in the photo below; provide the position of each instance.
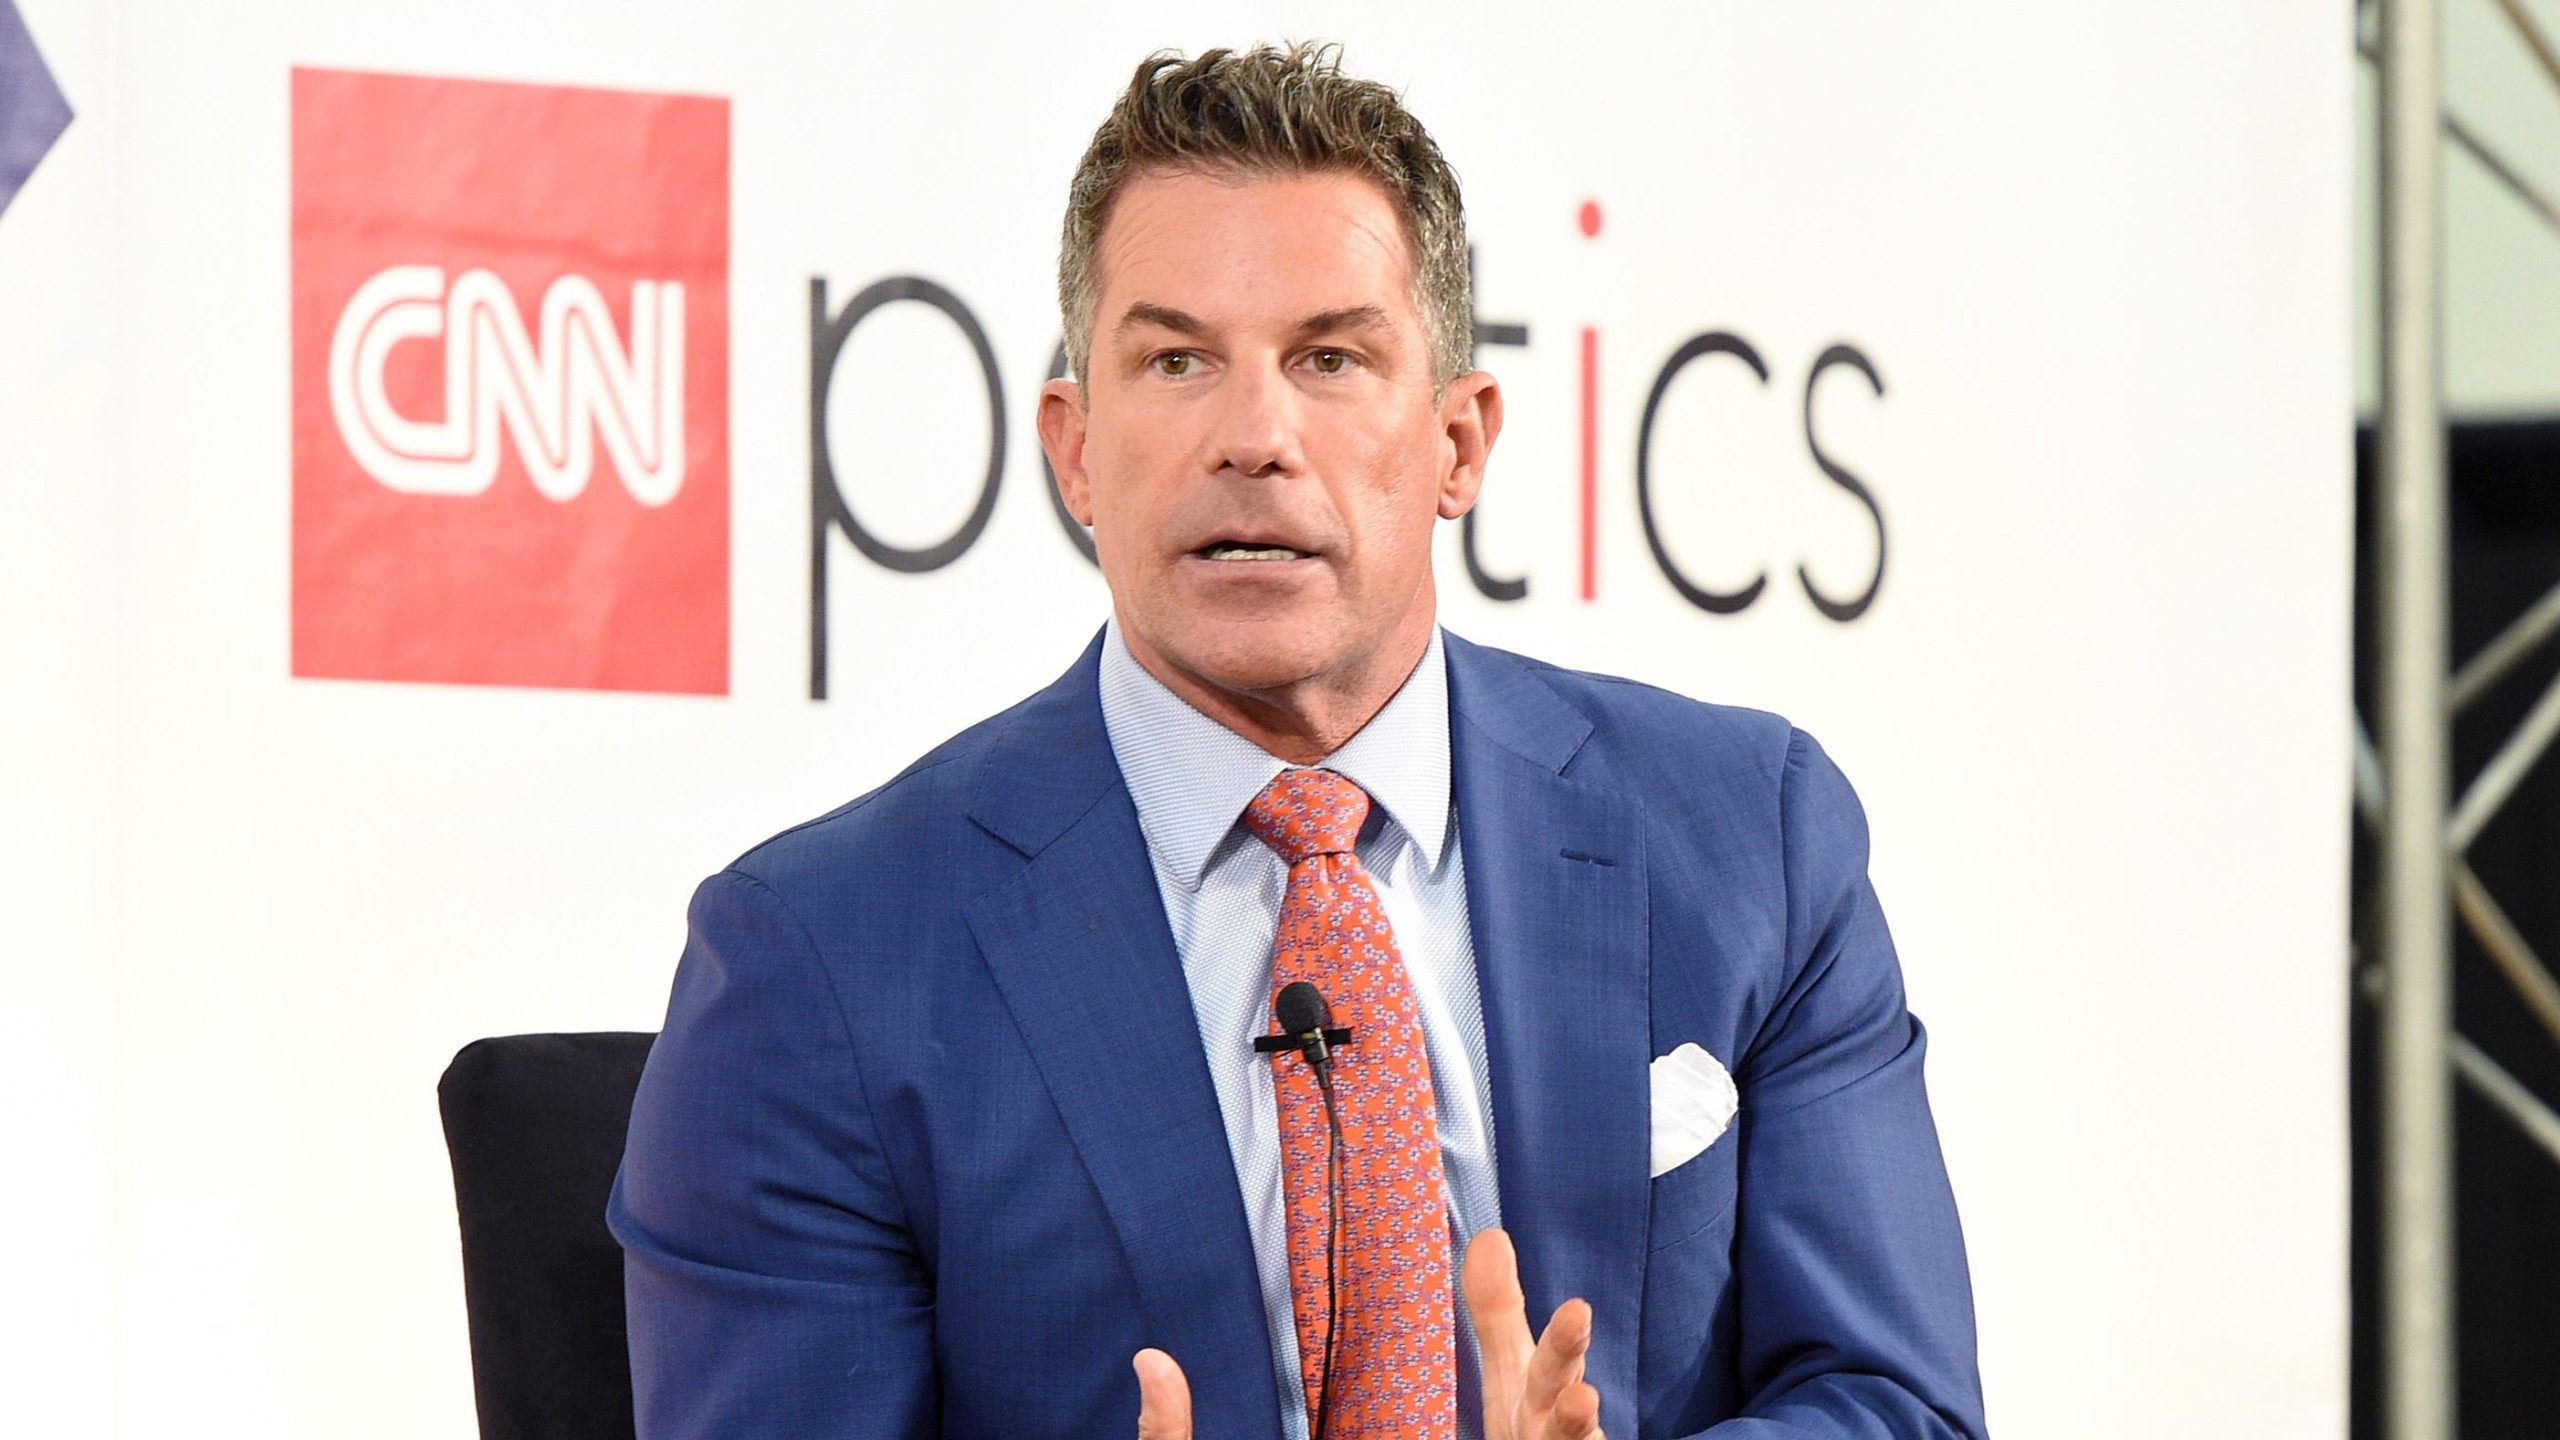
(1695, 1195)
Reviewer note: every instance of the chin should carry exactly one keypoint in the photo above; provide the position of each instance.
(1262, 672)
(1250, 657)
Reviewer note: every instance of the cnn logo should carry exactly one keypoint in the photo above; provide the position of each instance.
(554, 395)
(510, 384)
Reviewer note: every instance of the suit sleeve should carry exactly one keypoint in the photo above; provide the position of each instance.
(772, 1285)
(1856, 1312)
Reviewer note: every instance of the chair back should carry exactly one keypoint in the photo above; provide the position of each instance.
(535, 1126)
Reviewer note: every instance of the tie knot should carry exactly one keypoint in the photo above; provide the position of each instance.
(1308, 812)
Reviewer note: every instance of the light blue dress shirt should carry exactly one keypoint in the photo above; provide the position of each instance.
(1191, 778)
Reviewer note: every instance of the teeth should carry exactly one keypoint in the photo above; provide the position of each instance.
(1251, 552)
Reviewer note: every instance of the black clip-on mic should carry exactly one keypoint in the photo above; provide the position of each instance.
(1306, 1029)
(1306, 1026)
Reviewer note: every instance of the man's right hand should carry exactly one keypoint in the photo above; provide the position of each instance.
(1164, 1397)
(1531, 1391)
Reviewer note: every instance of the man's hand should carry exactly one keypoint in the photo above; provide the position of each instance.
(1164, 1397)
(1530, 1392)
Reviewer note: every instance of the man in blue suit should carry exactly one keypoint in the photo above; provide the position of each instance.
(957, 1127)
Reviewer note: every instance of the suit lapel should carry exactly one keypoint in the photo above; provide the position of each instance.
(1556, 896)
(1081, 952)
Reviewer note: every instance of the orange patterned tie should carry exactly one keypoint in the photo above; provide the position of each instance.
(1395, 1358)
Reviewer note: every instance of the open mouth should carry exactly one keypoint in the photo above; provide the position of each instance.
(1237, 550)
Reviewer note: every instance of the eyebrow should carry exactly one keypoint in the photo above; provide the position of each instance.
(1182, 322)
(1147, 312)
(1350, 317)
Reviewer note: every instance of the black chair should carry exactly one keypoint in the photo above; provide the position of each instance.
(535, 1126)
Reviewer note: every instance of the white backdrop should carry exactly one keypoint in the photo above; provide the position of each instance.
(2096, 255)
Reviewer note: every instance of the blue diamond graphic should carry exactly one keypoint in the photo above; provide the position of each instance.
(33, 113)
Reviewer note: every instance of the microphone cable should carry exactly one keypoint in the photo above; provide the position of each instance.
(1306, 1028)
(1332, 1243)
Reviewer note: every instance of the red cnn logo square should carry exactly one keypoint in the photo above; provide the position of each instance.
(510, 384)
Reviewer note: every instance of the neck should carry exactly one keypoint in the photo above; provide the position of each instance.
(1306, 720)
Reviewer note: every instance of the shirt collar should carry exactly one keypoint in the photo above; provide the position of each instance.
(1191, 777)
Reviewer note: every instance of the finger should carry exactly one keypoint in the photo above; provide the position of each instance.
(1557, 1364)
(1577, 1414)
(1491, 1280)
(1164, 1397)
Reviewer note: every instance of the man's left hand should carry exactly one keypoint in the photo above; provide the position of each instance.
(1531, 1391)
(1164, 1397)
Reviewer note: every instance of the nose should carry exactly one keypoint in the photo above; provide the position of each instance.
(1257, 430)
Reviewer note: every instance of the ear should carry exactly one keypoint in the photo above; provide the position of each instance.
(1062, 427)
(1471, 419)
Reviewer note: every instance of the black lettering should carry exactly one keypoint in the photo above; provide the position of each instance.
(827, 507)
(1487, 332)
(1696, 347)
(1843, 610)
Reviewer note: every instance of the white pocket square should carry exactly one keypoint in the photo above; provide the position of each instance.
(1693, 1103)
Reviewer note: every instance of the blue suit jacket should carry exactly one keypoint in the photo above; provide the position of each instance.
(929, 1146)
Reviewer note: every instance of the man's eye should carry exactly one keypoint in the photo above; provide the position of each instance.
(1329, 362)
(1173, 362)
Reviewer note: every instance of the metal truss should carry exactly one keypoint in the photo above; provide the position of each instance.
(2424, 881)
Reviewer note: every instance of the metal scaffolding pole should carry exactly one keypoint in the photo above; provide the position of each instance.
(2412, 631)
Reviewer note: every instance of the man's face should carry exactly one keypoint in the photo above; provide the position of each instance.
(1257, 444)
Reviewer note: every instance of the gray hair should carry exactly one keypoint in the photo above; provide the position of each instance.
(1273, 111)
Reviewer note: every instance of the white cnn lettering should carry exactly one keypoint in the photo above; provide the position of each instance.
(555, 396)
